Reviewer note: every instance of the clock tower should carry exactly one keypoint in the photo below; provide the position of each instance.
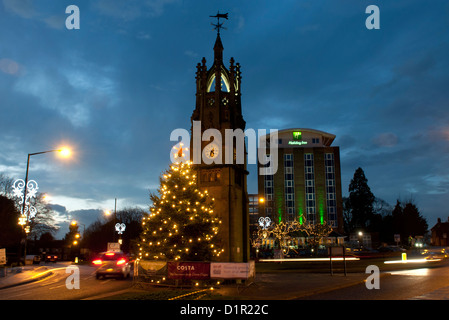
(218, 110)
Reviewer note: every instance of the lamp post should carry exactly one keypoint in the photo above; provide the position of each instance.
(109, 213)
(74, 223)
(360, 237)
(262, 205)
(65, 152)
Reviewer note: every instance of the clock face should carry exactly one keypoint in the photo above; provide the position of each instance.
(211, 151)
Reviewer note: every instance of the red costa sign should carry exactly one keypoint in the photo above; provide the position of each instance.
(188, 270)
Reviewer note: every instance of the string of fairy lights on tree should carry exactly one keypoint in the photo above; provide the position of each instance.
(181, 224)
(284, 232)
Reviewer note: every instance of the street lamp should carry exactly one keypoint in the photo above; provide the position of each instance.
(261, 206)
(360, 234)
(65, 152)
(74, 223)
(109, 213)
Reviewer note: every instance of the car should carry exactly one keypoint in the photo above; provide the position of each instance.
(435, 253)
(391, 249)
(37, 259)
(51, 258)
(112, 264)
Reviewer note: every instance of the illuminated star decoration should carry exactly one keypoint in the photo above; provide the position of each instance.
(120, 228)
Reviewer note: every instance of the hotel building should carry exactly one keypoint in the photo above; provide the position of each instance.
(307, 184)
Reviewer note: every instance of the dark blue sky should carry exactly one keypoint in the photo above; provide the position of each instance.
(115, 89)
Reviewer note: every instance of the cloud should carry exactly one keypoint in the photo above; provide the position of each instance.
(74, 92)
(386, 140)
(131, 9)
(55, 22)
(436, 184)
(9, 66)
(143, 36)
(58, 208)
(308, 28)
(240, 23)
(63, 218)
(23, 8)
(191, 54)
(26, 10)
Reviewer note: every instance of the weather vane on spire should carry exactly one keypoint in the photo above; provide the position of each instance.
(219, 25)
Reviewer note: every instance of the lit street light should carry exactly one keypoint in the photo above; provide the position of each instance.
(74, 223)
(261, 209)
(65, 152)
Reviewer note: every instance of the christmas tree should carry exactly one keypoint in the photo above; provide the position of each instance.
(181, 224)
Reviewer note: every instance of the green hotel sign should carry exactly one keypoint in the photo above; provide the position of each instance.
(298, 143)
(297, 135)
(297, 139)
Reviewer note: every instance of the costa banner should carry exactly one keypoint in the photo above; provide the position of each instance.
(188, 270)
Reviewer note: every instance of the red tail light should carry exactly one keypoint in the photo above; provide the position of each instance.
(97, 261)
(121, 261)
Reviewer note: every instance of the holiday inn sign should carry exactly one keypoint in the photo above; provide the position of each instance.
(297, 139)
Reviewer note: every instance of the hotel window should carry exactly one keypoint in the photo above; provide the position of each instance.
(309, 177)
(331, 202)
(289, 187)
(268, 191)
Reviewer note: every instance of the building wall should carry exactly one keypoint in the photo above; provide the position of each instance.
(307, 183)
(440, 234)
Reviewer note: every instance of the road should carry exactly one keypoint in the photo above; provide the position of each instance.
(424, 283)
(54, 287)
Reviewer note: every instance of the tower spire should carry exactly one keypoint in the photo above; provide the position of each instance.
(218, 50)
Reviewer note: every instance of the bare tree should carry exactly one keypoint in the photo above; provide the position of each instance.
(44, 221)
(6, 185)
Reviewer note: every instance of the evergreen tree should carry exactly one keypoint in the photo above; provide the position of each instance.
(407, 221)
(360, 201)
(10, 231)
(397, 217)
(181, 225)
(414, 223)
